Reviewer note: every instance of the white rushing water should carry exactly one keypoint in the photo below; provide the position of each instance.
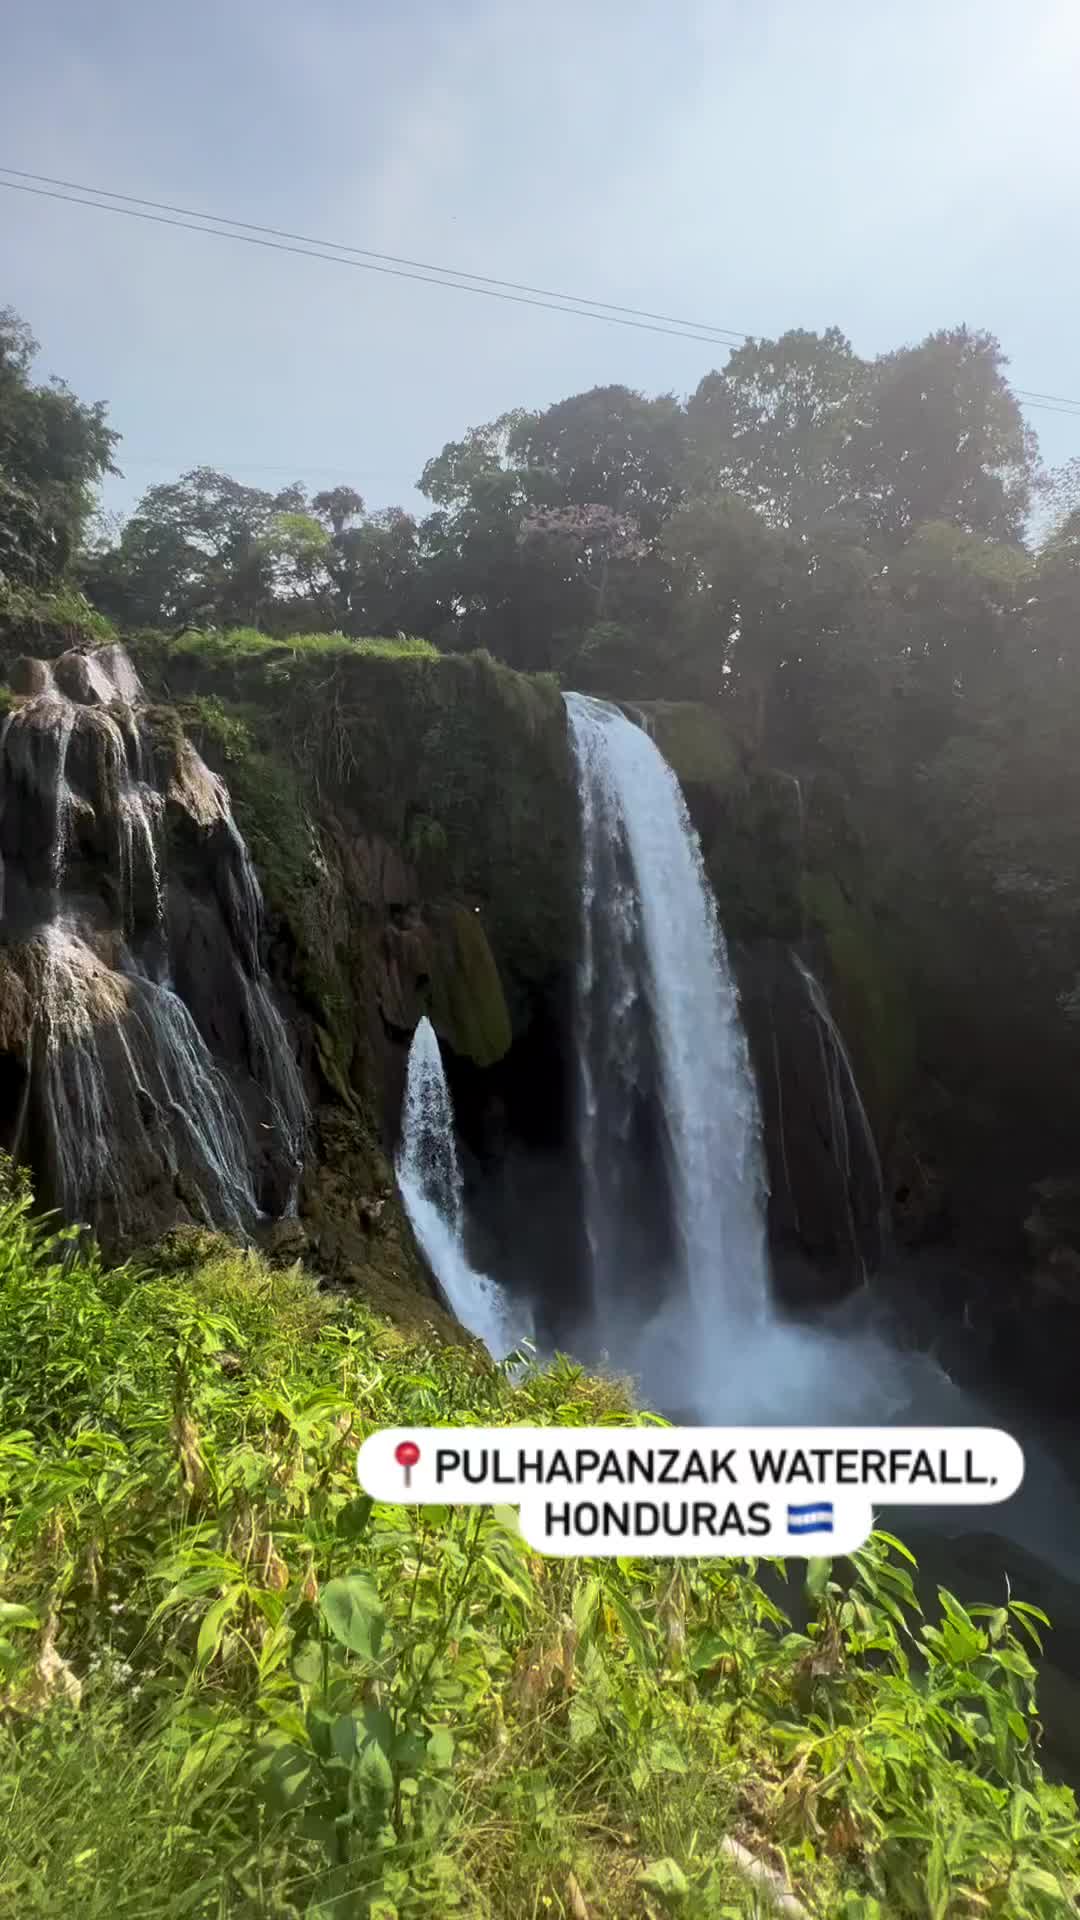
(129, 1091)
(842, 1092)
(429, 1177)
(688, 1311)
(658, 1021)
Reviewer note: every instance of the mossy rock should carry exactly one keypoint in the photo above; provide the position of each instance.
(869, 998)
(468, 1005)
(694, 739)
(459, 763)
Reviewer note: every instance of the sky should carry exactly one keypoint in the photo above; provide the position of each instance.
(760, 164)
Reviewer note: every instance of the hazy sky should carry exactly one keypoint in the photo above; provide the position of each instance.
(759, 163)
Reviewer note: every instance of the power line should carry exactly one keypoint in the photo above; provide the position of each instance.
(364, 266)
(1029, 395)
(520, 293)
(298, 467)
(733, 334)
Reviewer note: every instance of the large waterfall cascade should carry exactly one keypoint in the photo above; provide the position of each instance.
(658, 1028)
(430, 1182)
(127, 1110)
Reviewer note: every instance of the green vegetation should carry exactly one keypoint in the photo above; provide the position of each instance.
(695, 739)
(53, 452)
(456, 763)
(55, 619)
(232, 643)
(871, 1002)
(468, 1006)
(234, 1686)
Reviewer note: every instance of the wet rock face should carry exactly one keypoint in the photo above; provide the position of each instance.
(146, 1073)
(825, 1189)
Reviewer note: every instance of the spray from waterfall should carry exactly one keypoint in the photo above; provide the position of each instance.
(429, 1178)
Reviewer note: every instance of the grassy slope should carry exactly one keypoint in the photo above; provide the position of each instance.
(235, 1687)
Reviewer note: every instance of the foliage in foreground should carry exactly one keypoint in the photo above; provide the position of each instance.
(233, 1685)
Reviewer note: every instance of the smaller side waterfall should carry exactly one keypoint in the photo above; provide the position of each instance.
(151, 1075)
(851, 1136)
(429, 1178)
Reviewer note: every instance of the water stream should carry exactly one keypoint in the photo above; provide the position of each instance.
(669, 1125)
(430, 1182)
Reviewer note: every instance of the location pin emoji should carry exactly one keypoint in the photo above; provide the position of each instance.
(407, 1453)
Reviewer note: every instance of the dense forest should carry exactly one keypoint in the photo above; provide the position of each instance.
(839, 551)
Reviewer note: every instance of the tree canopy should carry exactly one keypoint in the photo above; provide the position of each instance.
(53, 452)
(809, 529)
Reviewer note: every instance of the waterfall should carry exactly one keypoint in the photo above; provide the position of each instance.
(851, 1136)
(141, 1097)
(669, 1122)
(429, 1178)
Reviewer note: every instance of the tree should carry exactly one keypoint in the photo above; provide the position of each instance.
(377, 572)
(734, 577)
(54, 451)
(580, 543)
(195, 549)
(944, 440)
(338, 507)
(776, 426)
(297, 547)
(609, 447)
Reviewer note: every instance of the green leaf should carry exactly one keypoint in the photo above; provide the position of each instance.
(586, 1600)
(665, 1756)
(354, 1614)
(345, 1736)
(212, 1629)
(817, 1577)
(440, 1749)
(372, 1770)
(290, 1776)
(352, 1521)
(514, 1582)
(306, 1663)
(12, 1615)
(665, 1877)
(898, 1546)
(632, 1627)
(320, 1726)
(937, 1881)
(378, 1725)
(1039, 1881)
(408, 1751)
(584, 1721)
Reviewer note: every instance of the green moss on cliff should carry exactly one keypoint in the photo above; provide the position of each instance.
(458, 763)
(694, 739)
(468, 1006)
(868, 997)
